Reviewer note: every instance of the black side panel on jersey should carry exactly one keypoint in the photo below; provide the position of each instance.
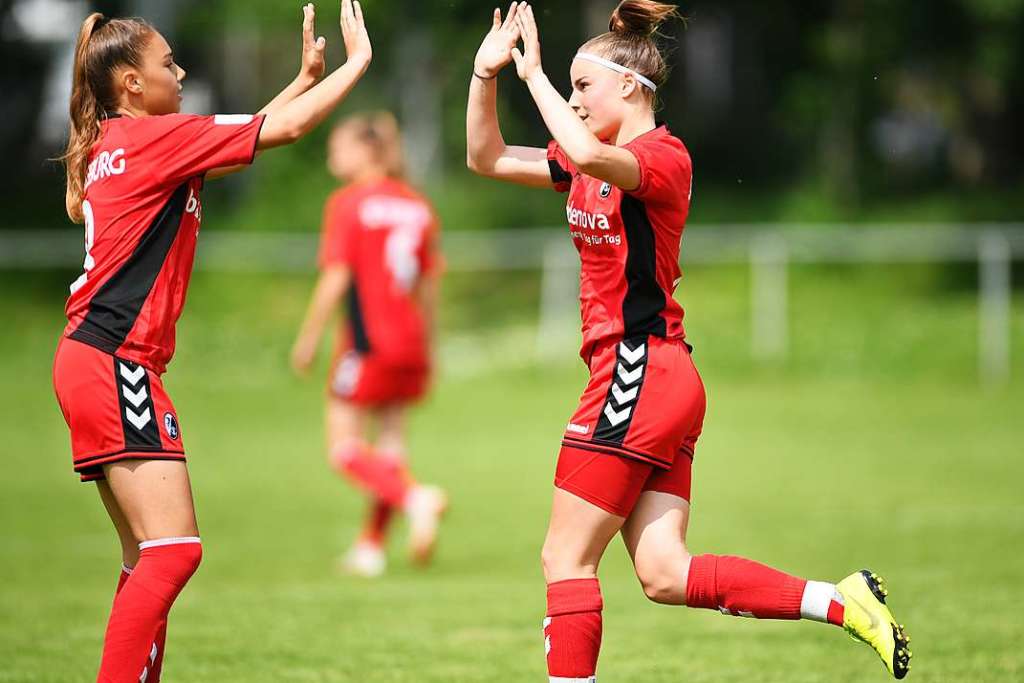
(644, 300)
(558, 174)
(115, 306)
(360, 339)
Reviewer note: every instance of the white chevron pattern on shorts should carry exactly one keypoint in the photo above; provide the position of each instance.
(623, 397)
(138, 420)
(617, 417)
(629, 376)
(130, 376)
(632, 357)
(135, 397)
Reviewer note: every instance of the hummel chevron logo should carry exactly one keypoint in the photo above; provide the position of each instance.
(630, 376)
(617, 417)
(623, 397)
(138, 420)
(135, 398)
(132, 377)
(634, 356)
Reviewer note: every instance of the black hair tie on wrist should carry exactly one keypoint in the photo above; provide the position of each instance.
(485, 78)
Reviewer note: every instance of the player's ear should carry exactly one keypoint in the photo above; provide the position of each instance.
(131, 80)
(628, 85)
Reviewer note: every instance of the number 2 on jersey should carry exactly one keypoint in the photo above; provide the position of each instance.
(90, 235)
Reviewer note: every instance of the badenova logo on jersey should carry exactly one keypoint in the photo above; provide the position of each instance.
(590, 223)
(106, 164)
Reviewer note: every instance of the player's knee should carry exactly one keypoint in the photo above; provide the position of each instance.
(559, 564)
(343, 452)
(548, 561)
(663, 576)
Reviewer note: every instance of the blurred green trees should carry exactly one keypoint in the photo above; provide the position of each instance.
(836, 110)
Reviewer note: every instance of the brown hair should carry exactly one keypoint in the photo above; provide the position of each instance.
(103, 46)
(379, 130)
(630, 38)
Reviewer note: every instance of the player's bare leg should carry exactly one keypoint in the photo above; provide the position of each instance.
(129, 543)
(346, 425)
(655, 535)
(151, 501)
(578, 534)
(426, 504)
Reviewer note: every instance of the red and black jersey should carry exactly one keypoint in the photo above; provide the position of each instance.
(629, 241)
(142, 214)
(385, 233)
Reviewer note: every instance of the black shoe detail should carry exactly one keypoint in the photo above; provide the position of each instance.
(901, 658)
(875, 583)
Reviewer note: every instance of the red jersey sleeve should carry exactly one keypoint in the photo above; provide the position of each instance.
(665, 171)
(182, 146)
(561, 169)
(340, 229)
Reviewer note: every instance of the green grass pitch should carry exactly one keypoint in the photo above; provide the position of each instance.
(864, 450)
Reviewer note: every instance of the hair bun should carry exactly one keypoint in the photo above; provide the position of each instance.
(640, 17)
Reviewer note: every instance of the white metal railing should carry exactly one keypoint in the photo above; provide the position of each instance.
(767, 248)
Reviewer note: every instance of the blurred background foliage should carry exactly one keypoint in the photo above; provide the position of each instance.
(846, 110)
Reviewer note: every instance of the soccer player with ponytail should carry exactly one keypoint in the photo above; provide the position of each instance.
(378, 255)
(625, 461)
(135, 170)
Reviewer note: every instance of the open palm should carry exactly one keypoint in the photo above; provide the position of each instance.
(353, 32)
(496, 49)
(528, 61)
(313, 62)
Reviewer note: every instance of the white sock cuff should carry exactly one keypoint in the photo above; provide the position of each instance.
(818, 595)
(173, 540)
(558, 679)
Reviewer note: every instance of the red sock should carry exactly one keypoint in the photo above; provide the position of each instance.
(378, 519)
(836, 612)
(133, 642)
(742, 587)
(375, 475)
(572, 629)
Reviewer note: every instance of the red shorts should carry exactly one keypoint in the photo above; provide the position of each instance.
(115, 409)
(368, 380)
(644, 406)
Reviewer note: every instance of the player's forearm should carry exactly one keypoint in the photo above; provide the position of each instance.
(301, 84)
(427, 295)
(330, 288)
(298, 117)
(484, 141)
(566, 127)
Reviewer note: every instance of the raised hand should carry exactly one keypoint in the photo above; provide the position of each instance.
(528, 61)
(353, 31)
(313, 62)
(496, 49)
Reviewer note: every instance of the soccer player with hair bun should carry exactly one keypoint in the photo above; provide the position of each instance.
(626, 455)
(135, 171)
(378, 255)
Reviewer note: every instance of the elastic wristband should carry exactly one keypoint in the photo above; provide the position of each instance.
(485, 78)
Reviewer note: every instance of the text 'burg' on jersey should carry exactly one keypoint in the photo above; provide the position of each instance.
(142, 215)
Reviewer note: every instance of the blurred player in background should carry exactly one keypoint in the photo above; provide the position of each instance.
(625, 462)
(378, 257)
(135, 169)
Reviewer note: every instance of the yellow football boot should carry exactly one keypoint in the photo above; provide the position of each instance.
(867, 618)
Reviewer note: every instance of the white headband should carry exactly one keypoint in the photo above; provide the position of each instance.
(586, 56)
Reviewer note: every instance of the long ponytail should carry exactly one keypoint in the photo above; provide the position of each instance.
(103, 46)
